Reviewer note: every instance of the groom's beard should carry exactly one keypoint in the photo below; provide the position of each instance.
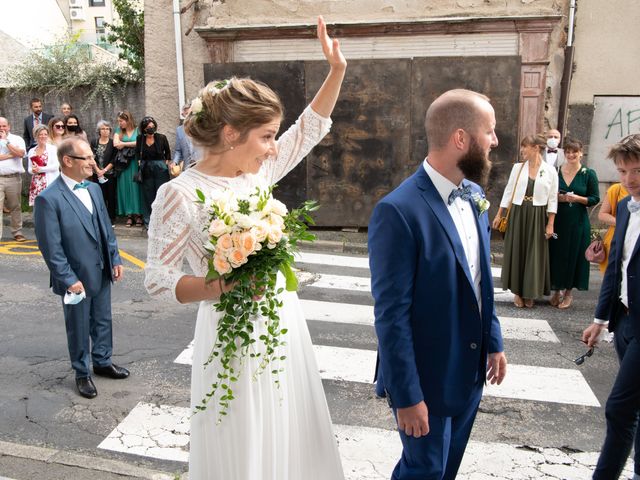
(475, 164)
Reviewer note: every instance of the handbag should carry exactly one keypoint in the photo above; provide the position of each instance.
(504, 221)
(123, 158)
(595, 252)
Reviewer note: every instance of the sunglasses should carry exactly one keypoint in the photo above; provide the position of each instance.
(59, 126)
(580, 360)
(78, 157)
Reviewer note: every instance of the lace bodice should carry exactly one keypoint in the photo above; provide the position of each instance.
(177, 226)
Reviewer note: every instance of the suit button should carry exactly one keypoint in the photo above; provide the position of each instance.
(473, 346)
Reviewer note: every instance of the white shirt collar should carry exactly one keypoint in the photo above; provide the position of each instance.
(69, 181)
(443, 185)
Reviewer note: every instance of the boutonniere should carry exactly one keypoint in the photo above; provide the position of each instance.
(541, 173)
(482, 204)
(584, 170)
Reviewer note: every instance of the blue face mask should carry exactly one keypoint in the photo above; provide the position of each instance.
(71, 298)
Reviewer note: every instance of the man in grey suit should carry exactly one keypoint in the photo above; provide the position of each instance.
(184, 152)
(78, 245)
(553, 154)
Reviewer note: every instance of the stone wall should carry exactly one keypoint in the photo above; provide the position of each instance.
(15, 106)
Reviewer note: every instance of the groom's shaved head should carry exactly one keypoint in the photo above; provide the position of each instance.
(453, 110)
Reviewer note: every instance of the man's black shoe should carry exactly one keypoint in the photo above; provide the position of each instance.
(86, 388)
(112, 371)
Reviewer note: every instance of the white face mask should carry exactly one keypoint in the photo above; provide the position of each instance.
(553, 142)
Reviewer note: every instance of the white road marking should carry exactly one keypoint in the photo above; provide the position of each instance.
(332, 260)
(523, 382)
(162, 432)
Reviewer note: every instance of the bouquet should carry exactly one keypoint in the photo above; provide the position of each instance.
(250, 239)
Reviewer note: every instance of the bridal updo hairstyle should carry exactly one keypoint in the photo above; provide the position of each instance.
(241, 103)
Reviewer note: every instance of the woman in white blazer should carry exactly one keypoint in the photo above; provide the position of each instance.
(42, 163)
(532, 192)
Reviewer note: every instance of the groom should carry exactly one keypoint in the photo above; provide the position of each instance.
(78, 245)
(438, 333)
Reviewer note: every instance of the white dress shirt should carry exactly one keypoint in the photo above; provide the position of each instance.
(462, 214)
(12, 165)
(82, 193)
(552, 158)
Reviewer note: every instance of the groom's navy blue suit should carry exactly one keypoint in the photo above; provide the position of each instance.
(77, 245)
(433, 338)
(623, 404)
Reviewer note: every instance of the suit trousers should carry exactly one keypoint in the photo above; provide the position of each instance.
(437, 456)
(154, 175)
(89, 332)
(623, 407)
(10, 196)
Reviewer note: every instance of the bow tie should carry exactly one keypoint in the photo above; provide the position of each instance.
(464, 193)
(633, 206)
(82, 184)
(552, 150)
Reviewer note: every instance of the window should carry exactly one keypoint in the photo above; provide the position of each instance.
(101, 33)
(96, 3)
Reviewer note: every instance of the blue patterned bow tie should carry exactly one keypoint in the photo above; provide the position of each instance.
(82, 184)
(633, 206)
(464, 193)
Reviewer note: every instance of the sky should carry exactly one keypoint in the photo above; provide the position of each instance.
(18, 15)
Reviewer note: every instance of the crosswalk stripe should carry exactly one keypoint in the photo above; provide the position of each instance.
(524, 382)
(162, 432)
(332, 260)
(350, 261)
(348, 313)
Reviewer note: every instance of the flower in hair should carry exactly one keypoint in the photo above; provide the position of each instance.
(219, 86)
(196, 106)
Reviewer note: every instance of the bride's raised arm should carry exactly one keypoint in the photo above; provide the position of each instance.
(314, 123)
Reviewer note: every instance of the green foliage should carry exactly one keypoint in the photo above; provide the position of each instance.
(68, 65)
(128, 33)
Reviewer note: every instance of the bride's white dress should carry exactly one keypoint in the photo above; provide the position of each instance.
(270, 433)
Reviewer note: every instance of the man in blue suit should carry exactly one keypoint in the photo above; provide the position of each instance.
(619, 310)
(78, 245)
(438, 334)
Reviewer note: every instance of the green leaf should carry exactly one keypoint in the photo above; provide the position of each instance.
(201, 196)
(290, 277)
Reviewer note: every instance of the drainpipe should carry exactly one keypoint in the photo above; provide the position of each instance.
(567, 72)
(179, 64)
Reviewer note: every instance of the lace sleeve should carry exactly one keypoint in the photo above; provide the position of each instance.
(297, 142)
(168, 234)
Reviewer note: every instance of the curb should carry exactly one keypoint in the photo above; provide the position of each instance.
(98, 464)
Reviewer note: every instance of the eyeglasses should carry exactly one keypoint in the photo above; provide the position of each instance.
(580, 360)
(61, 127)
(87, 158)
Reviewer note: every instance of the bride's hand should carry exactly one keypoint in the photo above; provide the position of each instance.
(330, 48)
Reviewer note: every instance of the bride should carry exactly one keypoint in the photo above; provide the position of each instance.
(269, 433)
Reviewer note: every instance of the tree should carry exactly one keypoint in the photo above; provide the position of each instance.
(128, 33)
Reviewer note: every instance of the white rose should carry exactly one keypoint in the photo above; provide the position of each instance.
(243, 221)
(260, 230)
(275, 234)
(218, 227)
(196, 105)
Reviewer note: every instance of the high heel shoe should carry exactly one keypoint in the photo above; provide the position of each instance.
(555, 300)
(566, 302)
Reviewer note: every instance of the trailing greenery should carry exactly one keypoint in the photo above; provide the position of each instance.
(67, 65)
(128, 33)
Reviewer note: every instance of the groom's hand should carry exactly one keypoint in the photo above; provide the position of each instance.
(414, 421)
(496, 367)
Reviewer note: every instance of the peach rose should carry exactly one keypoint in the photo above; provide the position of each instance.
(225, 242)
(248, 243)
(237, 258)
(221, 265)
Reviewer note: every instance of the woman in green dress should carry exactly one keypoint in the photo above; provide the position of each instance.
(532, 194)
(578, 189)
(129, 193)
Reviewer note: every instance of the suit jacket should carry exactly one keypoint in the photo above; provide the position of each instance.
(559, 160)
(433, 340)
(67, 239)
(184, 151)
(28, 128)
(609, 305)
(545, 190)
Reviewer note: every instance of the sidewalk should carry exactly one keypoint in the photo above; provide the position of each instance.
(347, 241)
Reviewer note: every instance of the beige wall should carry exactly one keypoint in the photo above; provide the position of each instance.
(243, 12)
(607, 43)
